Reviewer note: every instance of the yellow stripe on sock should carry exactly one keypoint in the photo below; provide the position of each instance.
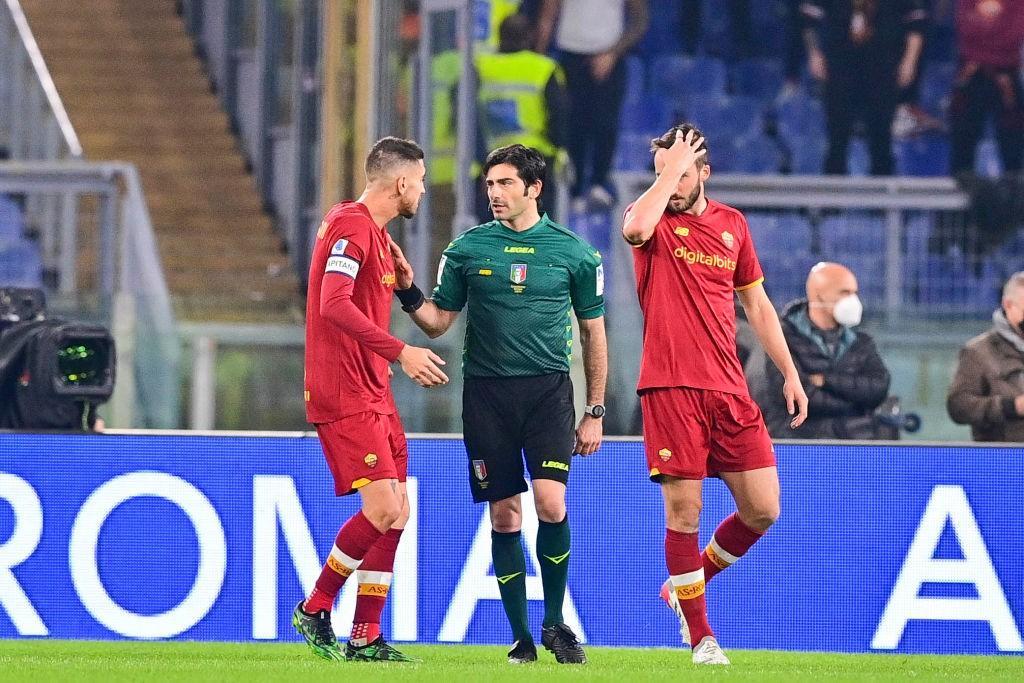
(716, 558)
(690, 591)
(378, 590)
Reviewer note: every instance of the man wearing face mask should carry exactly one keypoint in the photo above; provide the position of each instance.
(839, 366)
(988, 389)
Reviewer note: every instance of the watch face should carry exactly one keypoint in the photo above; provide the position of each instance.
(597, 411)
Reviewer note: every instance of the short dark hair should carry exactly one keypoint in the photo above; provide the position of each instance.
(389, 152)
(527, 161)
(514, 33)
(666, 140)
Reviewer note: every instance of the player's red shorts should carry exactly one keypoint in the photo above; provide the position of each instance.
(362, 448)
(697, 433)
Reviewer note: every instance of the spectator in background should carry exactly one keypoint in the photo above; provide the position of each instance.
(739, 23)
(592, 38)
(840, 369)
(863, 51)
(988, 388)
(521, 97)
(990, 34)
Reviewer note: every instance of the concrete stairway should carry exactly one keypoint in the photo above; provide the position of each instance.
(136, 92)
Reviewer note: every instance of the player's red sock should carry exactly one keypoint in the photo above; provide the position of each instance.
(374, 578)
(354, 540)
(732, 539)
(682, 555)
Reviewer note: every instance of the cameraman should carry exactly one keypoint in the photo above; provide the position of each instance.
(988, 389)
(840, 368)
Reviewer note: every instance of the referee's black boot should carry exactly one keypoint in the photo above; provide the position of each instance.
(563, 643)
(523, 652)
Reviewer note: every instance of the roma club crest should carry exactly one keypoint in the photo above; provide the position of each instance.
(518, 273)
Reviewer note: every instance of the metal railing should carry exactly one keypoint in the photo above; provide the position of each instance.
(108, 269)
(889, 201)
(33, 121)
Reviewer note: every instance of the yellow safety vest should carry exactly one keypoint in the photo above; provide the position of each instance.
(511, 99)
(499, 11)
(445, 70)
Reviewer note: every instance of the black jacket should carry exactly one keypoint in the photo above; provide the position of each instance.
(856, 382)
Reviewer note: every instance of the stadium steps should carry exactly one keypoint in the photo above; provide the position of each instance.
(136, 92)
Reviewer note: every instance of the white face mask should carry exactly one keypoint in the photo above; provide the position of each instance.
(848, 311)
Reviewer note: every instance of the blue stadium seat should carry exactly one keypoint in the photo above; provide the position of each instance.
(636, 84)
(761, 78)
(756, 154)
(870, 272)
(676, 76)
(781, 234)
(785, 276)
(937, 85)
(852, 233)
(662, 35)
(21, 265)
(724, 119)
(12, 222)
(987, 161)
(633, 152)
(808, 153)
(800, 116)
(646, 114)
(927, 155)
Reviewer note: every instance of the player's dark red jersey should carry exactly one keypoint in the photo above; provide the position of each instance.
(685, 278)
(348, 314)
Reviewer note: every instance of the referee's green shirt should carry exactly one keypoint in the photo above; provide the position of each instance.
(519, 287)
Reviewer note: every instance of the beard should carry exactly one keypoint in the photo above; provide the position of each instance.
(407, 207)
(678, 204)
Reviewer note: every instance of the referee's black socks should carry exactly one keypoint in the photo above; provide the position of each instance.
(510, 570)
(553, 553)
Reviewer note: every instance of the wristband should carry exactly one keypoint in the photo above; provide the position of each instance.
(411, 298)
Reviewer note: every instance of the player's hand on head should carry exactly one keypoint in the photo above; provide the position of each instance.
(685, 151)
(588, 436)
(796, 401)
(422, 366)
(403, 269)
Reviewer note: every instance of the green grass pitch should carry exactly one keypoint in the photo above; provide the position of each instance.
(47, 660)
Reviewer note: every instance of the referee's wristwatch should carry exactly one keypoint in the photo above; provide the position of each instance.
(596, 411)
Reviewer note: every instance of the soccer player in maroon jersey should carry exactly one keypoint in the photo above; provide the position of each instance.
(690, 254)
(348, 395)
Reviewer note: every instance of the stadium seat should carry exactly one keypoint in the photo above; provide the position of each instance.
(927, 155)
(987, 161)
(756, 154)
(808, 153)
(636, 84)
(800, 115)
(21, 265)
(936, 86)
(644, 115)
(633, 152)
(724, 119)
(852, 233)
(781, 234)
(761, 78)
(676, 76)
(12, 222)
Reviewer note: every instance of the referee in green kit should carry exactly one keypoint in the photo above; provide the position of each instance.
(520, 276)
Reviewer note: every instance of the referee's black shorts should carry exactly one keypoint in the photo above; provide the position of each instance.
(505, 418)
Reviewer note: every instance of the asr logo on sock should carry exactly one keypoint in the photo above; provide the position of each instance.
(555, 465)
(694, 590)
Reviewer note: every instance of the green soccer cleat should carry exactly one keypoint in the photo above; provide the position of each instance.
(317, 632)
(377, 651)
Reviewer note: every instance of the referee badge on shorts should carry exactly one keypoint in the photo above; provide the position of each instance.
(480, 469)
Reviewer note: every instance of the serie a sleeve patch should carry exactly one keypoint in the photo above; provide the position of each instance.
(342, 264)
